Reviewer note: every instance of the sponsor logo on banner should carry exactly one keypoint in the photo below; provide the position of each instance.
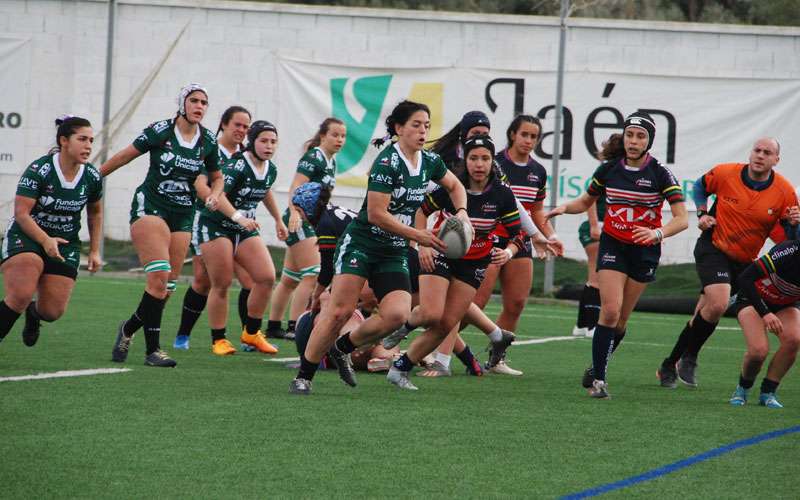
(596, 107)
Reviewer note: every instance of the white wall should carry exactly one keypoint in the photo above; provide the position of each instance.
(231, 47)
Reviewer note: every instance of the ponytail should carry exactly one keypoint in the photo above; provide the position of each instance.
(67, 125)
(613, 149)
(324, 127)
(399, 116)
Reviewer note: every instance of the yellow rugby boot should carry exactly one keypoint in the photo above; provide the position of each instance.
(259, 341)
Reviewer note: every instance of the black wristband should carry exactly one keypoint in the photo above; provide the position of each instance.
(459, 209)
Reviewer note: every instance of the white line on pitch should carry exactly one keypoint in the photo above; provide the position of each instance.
(543, 340)
(282, 360)
(65, 373)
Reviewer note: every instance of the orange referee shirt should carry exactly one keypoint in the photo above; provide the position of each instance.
(745, 216)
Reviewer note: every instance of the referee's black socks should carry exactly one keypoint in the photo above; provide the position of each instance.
(8, 317)
(701, 331)
(691, 339)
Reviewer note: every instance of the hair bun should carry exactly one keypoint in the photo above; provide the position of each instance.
(61, 119)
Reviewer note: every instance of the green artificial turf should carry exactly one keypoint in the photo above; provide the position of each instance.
(227, 427)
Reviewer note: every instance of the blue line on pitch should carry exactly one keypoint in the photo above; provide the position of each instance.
(668, 469)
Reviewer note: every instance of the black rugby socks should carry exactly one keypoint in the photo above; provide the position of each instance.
(193, 306)
(602, 347)
(244, 294)
(8, 317)
(344, 344)
(589, 307)
(152, 309)
(252, 325)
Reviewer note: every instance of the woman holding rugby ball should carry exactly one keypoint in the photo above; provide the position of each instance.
(374, 245)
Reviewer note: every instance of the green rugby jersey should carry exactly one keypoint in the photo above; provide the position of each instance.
(318, 168)
(393, 173)
(58, 203)
(175, 163)
(245, 188)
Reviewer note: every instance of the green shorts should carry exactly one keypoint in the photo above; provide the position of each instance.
(194, 245)
(17, 242)
(352, 258)
(207, 229)
(178, 221)
(306, 231)
(583, 234)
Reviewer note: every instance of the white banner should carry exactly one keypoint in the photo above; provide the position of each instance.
(15, 58)
(700, 121)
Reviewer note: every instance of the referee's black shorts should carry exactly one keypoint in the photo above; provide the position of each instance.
(714, 266)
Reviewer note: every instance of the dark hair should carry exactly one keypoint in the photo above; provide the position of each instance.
(515, 124)
(322, 202)
(227, 116)
(324, 127)
(400, 115)
(446, 146)
(613, 148)
(66, 127)
(475, 142)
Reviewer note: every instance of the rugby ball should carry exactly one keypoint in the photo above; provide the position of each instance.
(457, 236)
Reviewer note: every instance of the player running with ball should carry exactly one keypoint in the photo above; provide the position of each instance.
(374, 246)
(447, 286)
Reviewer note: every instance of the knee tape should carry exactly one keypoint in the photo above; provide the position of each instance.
(309, 271)
(155, 266)
(292, 275)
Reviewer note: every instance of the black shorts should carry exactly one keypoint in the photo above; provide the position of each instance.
(742, 302)
(714, 267)
(470, 271)
(523, 253)
(383, 284)
(413, 269)
(638, 262)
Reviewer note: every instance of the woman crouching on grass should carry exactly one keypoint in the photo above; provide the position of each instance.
(230, 235)
(447, 286)
(41, 249)
(635, 186)
(769, 291)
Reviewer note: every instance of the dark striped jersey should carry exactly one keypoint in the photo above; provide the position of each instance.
(332, 223)
(528, 182)
(486, 210)
(778, 279)
(634, 195)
